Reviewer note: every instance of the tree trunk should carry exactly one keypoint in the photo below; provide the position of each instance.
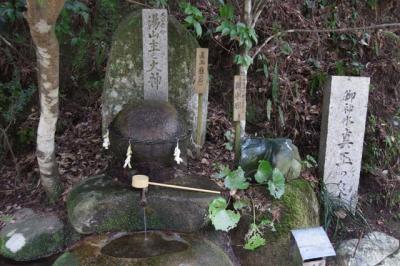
(240, 126)
(247, 16)
(42, 16)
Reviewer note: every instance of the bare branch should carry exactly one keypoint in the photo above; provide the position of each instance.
(137, 3)
(259, 7)
(6, 41)
(371, 27)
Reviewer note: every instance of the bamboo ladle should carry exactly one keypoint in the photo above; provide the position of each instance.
(142, 181)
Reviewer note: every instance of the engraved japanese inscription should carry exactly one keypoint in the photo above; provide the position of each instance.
(342, 136)
(239, 98)
(155, 54)
(201, 70)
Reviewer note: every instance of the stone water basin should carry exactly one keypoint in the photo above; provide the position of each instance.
(159, 248)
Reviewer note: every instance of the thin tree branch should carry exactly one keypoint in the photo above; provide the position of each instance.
(220, 45)
(138, 3)
(371, 27)
(258, 12)
(6, 41)
(258, 5)
(265, 43)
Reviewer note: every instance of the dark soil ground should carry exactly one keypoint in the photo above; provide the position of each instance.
(80, 154)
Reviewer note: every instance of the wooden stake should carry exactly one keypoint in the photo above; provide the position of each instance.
(201, 85)
(239, 110)
(199, 132)
(237, 143)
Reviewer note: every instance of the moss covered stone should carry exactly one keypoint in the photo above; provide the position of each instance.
(124, 77)
(280, 152)
(66, 259)
(299, 209)
(100, 204)
(35, 236)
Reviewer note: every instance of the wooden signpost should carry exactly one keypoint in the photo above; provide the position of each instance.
(239, 109)
(201, 87)
(201, 81)
(155, 54)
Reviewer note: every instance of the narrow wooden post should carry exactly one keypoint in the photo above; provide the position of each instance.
(239, 110)
(238, 132)
(201, 85)
(199, 132)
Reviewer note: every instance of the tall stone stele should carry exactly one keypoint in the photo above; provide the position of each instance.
(124, 81)
(344, 115)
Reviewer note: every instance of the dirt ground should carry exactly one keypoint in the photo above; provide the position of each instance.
(80, 154)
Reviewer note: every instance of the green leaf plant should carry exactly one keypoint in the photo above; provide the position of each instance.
(194, 17)
(224, 217)
(221, 218)
(239, 32)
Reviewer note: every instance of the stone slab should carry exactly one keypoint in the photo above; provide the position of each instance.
(342, 135)
(155, 54)
(100, 204)
(369, 251)
(32, 236)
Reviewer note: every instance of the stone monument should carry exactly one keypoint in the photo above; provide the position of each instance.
(133, 76)
(342, 135)
(155, 54)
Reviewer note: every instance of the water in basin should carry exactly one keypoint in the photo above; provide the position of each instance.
(135, 245)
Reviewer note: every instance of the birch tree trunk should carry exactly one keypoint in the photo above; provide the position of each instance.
(42, 16)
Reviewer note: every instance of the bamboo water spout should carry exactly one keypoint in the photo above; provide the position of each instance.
(142, 181)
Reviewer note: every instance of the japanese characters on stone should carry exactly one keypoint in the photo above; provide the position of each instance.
(155, 54)
(342, 136)
(344, 163)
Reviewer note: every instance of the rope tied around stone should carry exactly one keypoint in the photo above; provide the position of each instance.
(132, 141)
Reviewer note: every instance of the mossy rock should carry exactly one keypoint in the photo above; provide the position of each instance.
(299, 209)
(66, 259)
(280, 152)
(100, 204)
(161, 249)
(34, 236)
(124, 76)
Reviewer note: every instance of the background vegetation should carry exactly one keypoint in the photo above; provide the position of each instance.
(284, 90)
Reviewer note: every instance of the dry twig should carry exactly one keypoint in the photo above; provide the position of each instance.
(371, 27)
